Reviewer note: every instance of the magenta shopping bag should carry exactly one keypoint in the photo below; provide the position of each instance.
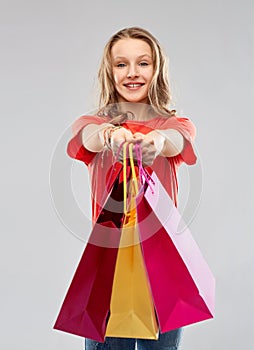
(85, 309)
(183, 287)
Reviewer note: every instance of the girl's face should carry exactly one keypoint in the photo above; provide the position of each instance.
(133, 69)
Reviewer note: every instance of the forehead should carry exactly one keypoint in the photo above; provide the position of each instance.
(130, 48)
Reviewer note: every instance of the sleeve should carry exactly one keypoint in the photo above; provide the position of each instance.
(75, 147)
(186, 127)
(188, 130)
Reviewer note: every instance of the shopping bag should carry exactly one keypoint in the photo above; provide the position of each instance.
(85, 308)
(132, 313)
(182, 284)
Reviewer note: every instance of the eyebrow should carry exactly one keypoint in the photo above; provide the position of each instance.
(141, 56)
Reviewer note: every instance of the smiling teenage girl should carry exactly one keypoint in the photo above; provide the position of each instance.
(134, 103)
(132, 69)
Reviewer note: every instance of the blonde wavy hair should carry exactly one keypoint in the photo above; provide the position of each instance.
(159, 93)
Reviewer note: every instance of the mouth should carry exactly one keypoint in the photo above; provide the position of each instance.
(134, 86)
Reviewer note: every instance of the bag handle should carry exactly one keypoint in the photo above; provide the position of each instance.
(134, 176)
(128, 147)
(145, 177)
(114, 165)
(107, 189)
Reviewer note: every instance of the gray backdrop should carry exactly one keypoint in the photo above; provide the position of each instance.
(50, 51)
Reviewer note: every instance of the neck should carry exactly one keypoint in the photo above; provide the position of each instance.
(141, 111)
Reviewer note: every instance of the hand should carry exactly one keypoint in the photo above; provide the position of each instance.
(151, 145)
(148, 153)
(138, 137)
(157, 139)
(118, 137)
(125, 135)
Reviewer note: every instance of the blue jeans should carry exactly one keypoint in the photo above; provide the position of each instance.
(167, 341)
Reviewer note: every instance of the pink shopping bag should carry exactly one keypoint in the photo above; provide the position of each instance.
(86, 306)
(183, 286)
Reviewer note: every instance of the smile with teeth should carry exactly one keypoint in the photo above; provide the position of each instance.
(133, 85)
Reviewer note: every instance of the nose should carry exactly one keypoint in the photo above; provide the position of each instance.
(133, 71)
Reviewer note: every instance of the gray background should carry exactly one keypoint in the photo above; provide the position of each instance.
(50, 51)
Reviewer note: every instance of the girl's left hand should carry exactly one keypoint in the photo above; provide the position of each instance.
(151, 145)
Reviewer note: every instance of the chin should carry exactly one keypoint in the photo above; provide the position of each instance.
(134, 100)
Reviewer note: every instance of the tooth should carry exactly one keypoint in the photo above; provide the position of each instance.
(134, 85)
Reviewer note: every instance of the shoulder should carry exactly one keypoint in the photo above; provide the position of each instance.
(187, 124)
(180, 123)
(84, 120)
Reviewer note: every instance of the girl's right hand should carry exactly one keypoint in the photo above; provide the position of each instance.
(118, 137)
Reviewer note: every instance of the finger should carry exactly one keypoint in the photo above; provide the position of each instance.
(129, 139)
(139, 136)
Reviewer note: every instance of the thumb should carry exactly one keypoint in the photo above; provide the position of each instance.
(138, 136)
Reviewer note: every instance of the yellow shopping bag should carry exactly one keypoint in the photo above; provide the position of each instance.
(132, 313)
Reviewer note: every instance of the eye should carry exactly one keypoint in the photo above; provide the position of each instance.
(120, 65)
(143, 64)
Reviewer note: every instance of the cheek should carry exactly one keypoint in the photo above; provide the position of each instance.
(118, 77)
(150, 75)
(115, 76)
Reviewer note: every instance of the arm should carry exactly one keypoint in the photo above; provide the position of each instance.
(92, 136)
(96, 137)
(166, 143)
